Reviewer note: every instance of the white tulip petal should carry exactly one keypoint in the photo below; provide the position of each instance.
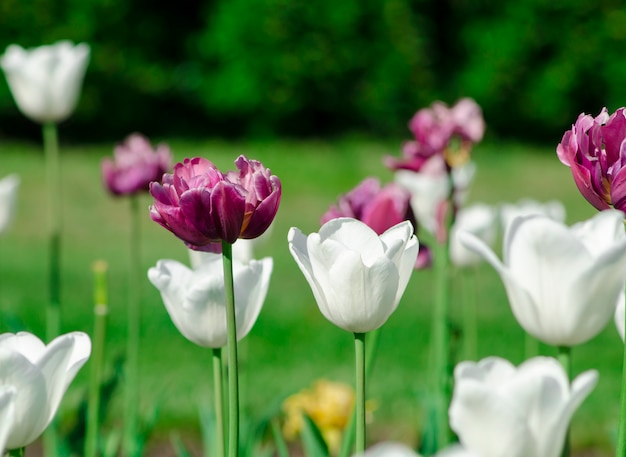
(601, 231)
(7, 414)
(8, 197)
(356, 276)
(27, 344)
(389, 449)
(620, 315)
(196, 302)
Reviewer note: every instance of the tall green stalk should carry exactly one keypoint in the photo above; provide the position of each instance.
(97, 357)
(470, 326)
(53, 184)
(53, 306)
(371, 349)
(620, 450)
(133, 334)
(218, 391)
(231, 328)
(565, 357)
(359, 351)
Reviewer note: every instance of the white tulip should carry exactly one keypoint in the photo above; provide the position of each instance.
(46, 81)
(553, 209)
(393, 449)
(7, 414)
(562, 283)
(498, 410)
(430, 187)
(8, 197)
(357, 277)
(478, 219)
(196, 302)
(40, 375)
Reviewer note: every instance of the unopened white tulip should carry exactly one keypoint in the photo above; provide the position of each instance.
(196, 302)
(562, 283)
(356, 276)
(7, 414)
(498, 410)
(46, 81)
(40, 375)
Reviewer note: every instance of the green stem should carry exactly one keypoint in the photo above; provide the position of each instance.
(620, 450)
(53, 182)
(19, 452)
(565, 357)
(97, 357)
(531, 346)
(53, 308)
(371, 349)
(359, 350)
(219, 401)
(441, 343)
(133, 333)
(470, 327)
(231, 328)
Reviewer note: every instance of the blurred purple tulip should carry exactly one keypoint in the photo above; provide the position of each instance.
(435, 128)
(595, 151)
(378, 207)
(135, 165)
(201, 205)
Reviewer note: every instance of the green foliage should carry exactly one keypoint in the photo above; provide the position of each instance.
(267, 67)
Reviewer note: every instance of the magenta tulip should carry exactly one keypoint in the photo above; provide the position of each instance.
(135, 165)
(201, 205)
(595, 151)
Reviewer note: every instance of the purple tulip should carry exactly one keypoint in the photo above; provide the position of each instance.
(202, 206)
(379, 208)
(136, 164)
(435, 128)
(595, 151)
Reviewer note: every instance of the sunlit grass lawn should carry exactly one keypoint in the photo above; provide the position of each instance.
(291, 344)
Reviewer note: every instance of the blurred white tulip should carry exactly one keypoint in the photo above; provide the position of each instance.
(40, 375)
(46, 81)
(195, 299)
(562, 283)
(8, 198)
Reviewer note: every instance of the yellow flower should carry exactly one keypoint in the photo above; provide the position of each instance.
(328, 404)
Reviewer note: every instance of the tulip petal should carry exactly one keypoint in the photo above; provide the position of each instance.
(25, 343)
(7, 414)
(354, 235)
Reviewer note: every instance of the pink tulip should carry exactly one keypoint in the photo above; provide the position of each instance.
(135, 165)
(595, 151)
(201, 205)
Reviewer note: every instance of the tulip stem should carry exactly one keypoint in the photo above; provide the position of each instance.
(97, 357)
(565, 358)
(219, 400)
(133, 333)
(370, 355)
(620, 450)
(51, 152)
(53, 308)
(470, 327)
(231, 329)
(359, 349)
(440, 349)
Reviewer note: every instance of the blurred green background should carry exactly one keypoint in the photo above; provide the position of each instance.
(263, 68)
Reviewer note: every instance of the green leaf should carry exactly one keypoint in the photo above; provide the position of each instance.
(178, 445)
(312, 439)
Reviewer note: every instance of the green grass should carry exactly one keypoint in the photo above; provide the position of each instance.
(291, 344)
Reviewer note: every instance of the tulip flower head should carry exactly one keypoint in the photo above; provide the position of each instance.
(562, 283)
(357, 277)
(8, 196)
(441, 130)
(380, 208)
(201, 205)
(553, 209)
(46, 81)
(135, 165)
(594, 151)
(40, 375)
(478, 219)
(196, 302)
(500, 410)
